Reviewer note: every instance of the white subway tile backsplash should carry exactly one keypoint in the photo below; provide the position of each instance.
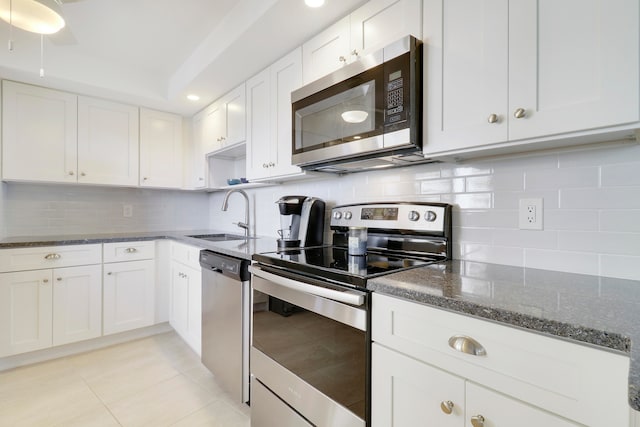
(603, 198)
(526, 238)
(621, 175)
(469, 201)
(600, 242)
(510, 200)
(623, 221)
(565, 219)
(598, 156)
(490, 218)
(442, 186)
(510, 181)
(491, 253)
(624, 267)
(572, 262)
(547, 179)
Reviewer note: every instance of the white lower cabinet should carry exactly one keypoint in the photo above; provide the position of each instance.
(408, 392)
(185, 311)
(128, 286)
(46, 307)
(522, 378)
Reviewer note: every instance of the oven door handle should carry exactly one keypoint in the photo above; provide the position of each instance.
(347, 297)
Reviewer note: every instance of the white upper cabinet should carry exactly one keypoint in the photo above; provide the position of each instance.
(197, 172)
(161, 150)
(224, 121)
(369, 28)
(48, 151)
(269, 119)
(108, 144)
(501, 73)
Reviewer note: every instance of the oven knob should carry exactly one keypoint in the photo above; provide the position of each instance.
(337, 215)
(347, 215)
(430, 216)
(414, 216)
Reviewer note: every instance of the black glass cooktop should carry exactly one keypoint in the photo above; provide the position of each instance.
(335, 264)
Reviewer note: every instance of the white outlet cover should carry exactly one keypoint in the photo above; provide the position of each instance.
(531, 214)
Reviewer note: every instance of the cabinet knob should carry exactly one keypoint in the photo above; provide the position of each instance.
(467, 345)
(447, 407)
(200, 179)
(45, 281)
(493, 118)
(477, 421)
(52, 256)
(145, 178)
(131, 250)
(83, 174)
(271, 164)
(342, 59)
(354, 52)
(59, 279)
(109, 273)
(71, 173)
(519, 113)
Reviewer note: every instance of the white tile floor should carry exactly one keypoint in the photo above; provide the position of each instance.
(156, 381)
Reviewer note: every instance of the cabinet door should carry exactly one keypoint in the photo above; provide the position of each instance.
(327, 51)
(405, 392)
(161, 149)
(77, 304)
(198, 169)
(258, 126)
(465, 73)
(48, 151)
(108, 143)
(214, 128)
(129, 295)
(380, 22)
(286, 76)
(573, 65)
(185, 314)
(498, 410)
(235, 109)
(26, 300)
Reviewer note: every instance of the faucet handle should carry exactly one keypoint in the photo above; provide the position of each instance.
(241, 225)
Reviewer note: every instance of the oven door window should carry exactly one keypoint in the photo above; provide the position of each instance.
(327, 354)
(346, 112)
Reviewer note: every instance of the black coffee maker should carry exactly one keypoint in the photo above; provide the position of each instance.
(301, 221)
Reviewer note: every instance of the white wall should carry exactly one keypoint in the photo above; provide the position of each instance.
(3, 231)
(35, 209)
(591, 207)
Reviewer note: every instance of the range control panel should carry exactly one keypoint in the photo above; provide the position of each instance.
(418, 217)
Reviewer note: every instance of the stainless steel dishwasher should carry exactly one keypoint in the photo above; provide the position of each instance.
(226, 315)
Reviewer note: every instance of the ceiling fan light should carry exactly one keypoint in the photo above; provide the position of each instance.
(36, 16)
(314, 3)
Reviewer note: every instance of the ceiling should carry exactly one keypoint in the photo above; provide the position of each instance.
(154, 52)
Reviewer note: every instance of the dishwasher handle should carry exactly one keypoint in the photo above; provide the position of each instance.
(347, 297)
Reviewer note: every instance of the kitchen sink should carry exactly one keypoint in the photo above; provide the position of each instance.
(219, 237)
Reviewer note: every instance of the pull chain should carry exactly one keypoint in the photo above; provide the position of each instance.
(41, 55)
(10, 25)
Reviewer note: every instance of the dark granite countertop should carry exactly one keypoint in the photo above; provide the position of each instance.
(244, 248)
(593, 310)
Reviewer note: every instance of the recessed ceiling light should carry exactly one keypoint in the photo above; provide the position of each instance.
(314, 3)
(193, 97)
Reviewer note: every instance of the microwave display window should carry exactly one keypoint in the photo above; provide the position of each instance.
(347, 115)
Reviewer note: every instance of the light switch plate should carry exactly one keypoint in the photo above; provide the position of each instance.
(531, 214)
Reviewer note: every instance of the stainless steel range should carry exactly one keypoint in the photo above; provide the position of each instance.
(310, 354)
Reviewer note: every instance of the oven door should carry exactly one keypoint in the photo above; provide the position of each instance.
(310, 349)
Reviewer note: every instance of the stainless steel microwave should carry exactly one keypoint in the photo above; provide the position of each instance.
(366, 115)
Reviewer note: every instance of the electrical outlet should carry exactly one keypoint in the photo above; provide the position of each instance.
(127, 211)
(531, 214)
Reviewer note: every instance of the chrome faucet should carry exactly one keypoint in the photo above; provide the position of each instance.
(225, 204)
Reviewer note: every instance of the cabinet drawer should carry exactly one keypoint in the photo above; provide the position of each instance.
(129, 251)
(582, 383)
(186, 254)
(34, 258)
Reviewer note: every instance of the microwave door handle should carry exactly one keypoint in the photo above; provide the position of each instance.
(347, 297)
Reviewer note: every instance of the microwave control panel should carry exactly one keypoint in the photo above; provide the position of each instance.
(396, 76)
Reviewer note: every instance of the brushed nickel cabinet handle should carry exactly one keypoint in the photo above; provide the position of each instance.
(342, 59)
(71, 173)
(447, 406)
(52, 256)
(493, 118)
(45, 281)
(467, 345)
(519, 113)
(354, 52)
(477, 421)
(59, 279)
(131, 250)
